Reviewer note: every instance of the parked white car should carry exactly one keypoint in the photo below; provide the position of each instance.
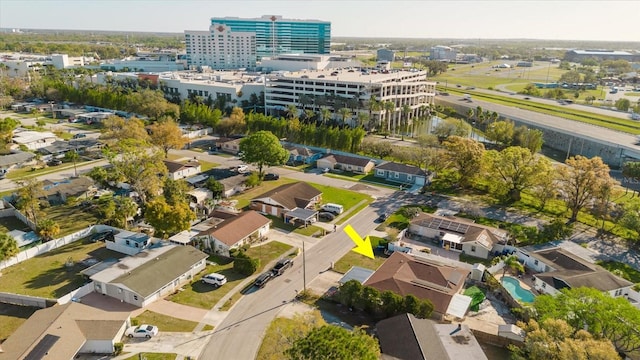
(214, 279)
(145, 331)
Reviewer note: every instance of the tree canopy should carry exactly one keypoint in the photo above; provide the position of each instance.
(262, 148)
(336, 343)
(8, 246)
(582, 181)
(466, 156)
(167, 135)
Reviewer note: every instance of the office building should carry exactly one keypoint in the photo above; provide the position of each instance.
(443, 53)
(275, 35)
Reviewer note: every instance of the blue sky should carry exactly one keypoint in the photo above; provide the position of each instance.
(471, 19)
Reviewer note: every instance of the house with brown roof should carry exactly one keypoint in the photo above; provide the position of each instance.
(150, 274)
(406, 337)
(235, 231)
(457, 234)
(425, 278)
(286, 198)
(560, 269)
(345, 163)
(178, 170)
(64, 332)
(58, 191)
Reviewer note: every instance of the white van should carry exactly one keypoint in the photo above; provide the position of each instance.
(334, 208)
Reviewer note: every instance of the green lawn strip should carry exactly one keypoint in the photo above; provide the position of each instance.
(28, 172)
(11, 317)
(272, 346)
(354, 259)
(346, 198)
(205, 165)
(47, 275)
(153, 356)
(164, 322)
(204, 296)
(309, 230)
(81, 126)
(474, 260)
(610, 122)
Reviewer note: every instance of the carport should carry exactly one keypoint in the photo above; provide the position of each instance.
(305, 215)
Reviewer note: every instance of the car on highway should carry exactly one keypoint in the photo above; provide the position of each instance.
(281, 266)
(142, 331)
(214, 279)
(263, 279)
(271, 176)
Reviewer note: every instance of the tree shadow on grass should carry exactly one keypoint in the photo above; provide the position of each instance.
(66, 280)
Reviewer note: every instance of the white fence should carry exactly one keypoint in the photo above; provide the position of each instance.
(495, 268)
(191, 134)
(10, 210)
(24, 300)
(77, 293)
(50, 245)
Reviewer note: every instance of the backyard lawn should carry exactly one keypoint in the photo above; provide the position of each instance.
(204, 296)
(70, 218)
(11, 317)
(354, 259)
(48, 276)
(10, 223)
(165, 323)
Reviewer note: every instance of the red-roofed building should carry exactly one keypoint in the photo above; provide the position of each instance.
(236, 231)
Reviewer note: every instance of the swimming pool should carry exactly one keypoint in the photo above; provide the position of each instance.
(513, 287)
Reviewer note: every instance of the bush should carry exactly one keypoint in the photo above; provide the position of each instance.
(117, 348)
(244, 264)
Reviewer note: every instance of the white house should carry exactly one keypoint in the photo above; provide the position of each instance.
(34, 140)
(128, 242)
(151, 274)
(180, 171)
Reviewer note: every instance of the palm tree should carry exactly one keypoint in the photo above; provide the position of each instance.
(374, 106)
(362, 119)
(470, 114)
(406, 109)
(325, 114)
(308, 115)
(344, 112)
(511, 262)
(292, 111)
(388, 107)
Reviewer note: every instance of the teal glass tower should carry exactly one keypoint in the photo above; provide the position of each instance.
(275, 35)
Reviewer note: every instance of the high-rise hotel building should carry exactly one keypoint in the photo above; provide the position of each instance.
(234, 42)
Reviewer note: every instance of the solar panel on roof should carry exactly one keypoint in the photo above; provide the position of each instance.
(42, 348)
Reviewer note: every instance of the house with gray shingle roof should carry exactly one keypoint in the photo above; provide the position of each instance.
(150, 274)
(301, 154)
(64, 331)
(402, 173)
(285, 198)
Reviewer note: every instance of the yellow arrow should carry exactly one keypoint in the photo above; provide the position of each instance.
(363, 247)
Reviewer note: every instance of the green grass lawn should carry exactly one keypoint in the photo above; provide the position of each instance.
(621, 269)
(165, 323)
(245, 197)
(70, 218)
(474, 260)
(205, 165)
(354, 259)
(204, 296)
(28, 172)
(47, 276)
(10, 223)
(11, 317)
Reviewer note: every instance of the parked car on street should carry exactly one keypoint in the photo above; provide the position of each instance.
(382, 218)
(263, 279)
(145, 331)
(271, 176)
(54, 162)
(215, 279)
(281, 266)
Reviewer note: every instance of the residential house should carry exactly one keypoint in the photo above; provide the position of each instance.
(302, 155)
(425, 278)
(15, 160)
(406, 337)
(345, 163)
(458, 234)
(179, 171)
(401, 173)
(236, 231)
(58, 192)
(34, 140)
(558, 268)
(59, 148)
(128, 242)
(231, 146)
(286, 198)
(64, 332)
(151, 274)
